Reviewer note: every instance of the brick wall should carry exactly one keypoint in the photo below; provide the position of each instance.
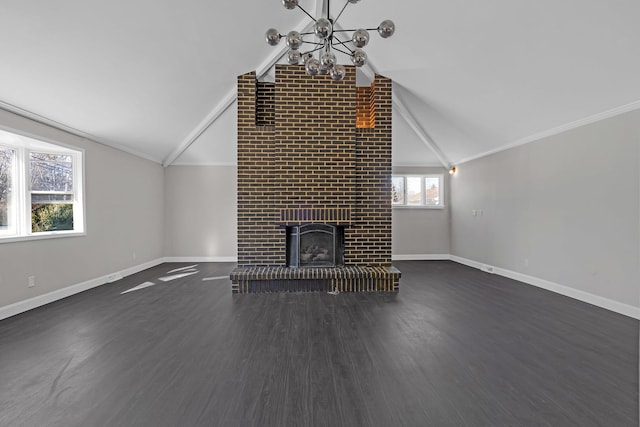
(312, 158)
(258, 236)
(368, 240)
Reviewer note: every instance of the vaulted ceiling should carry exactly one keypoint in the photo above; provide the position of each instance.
(157, 78)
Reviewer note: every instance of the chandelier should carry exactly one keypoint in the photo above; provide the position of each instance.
(326, 40)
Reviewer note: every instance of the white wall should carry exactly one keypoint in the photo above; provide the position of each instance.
(124, 222)
(564, 209)
(200, 212)
(417, 232)
(201, 216)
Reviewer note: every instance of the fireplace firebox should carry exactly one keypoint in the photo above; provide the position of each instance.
(315, 245)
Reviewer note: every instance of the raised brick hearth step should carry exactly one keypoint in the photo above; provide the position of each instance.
(350, 278)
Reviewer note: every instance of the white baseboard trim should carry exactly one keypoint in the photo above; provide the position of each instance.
(606, 303)
(467, 262)
(201, 259)
(421, 257)
(40, 300)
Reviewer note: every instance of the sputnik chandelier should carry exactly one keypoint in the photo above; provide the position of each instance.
(327, 39)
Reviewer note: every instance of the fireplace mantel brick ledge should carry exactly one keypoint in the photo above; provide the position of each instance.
(310, 215)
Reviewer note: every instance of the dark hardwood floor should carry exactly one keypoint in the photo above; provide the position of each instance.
(456, 347)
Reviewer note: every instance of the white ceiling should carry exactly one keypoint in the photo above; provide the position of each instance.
(475, 77)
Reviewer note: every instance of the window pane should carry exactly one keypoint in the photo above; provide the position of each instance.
(432, 190)
(397, 190)
(50, 198)
(414, 190)
(51, 172)
(6, 167)
(51, 217)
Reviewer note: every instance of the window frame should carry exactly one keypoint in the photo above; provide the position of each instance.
(20, 209)
(423, 193)
(11, 208)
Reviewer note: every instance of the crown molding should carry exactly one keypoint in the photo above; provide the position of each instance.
(29, 115)
(419, 165)
(556, 130)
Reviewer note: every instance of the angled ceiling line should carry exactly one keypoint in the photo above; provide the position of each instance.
(221, 107)
(369, 70)
(555, 130)
(37, 118)
(228, 100)
(322, 7)
(418, 130)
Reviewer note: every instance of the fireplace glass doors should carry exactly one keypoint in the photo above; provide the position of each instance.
(315, 245)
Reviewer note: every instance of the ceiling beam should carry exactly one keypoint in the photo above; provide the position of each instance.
(418, 130)
(413, 123)
(322, 8)
(370, 71)
(231, 96)
(228, 100)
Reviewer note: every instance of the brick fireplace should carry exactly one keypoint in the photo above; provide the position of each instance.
(314, 155)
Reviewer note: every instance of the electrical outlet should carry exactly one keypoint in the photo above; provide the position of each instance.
(31, 281)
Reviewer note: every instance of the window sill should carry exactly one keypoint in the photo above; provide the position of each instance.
(42, 236)
(403, 207)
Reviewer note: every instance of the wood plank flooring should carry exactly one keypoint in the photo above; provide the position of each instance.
(456, 347)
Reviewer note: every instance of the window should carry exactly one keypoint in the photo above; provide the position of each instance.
(417, 190)
(40, 189)
(397, 190)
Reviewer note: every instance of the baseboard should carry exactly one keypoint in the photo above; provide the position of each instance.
(201, 259)
(421, 257)
(468, 262)
(40, 300)
(606, 303)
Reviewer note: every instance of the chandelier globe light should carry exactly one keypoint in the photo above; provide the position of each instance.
(324, 40)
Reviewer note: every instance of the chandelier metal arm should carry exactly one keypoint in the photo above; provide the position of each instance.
(343, 44)
(340, 14)
(348, 31)
(314, 43)
(321, 46)
(343, 51)
(324, 29)
(307, 13)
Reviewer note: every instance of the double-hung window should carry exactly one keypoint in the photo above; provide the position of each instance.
(41, 188)
(417, 190)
